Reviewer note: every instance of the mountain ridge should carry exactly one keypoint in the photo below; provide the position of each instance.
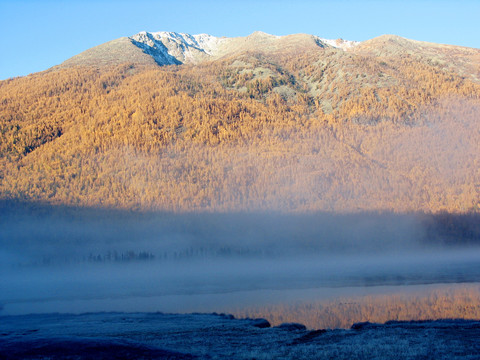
(173, 48)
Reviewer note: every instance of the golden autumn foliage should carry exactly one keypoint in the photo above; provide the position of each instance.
(324, 131)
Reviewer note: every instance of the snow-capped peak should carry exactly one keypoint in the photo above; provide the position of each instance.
(171, 47)
(168, 47)
(340, 43)
(200, 41)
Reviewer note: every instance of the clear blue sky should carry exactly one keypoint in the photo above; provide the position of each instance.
(35, 34)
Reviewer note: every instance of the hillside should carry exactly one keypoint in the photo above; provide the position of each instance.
(286, 123)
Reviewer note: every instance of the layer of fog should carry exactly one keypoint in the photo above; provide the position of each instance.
(73, 260)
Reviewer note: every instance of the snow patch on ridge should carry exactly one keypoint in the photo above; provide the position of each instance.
(201, 42)
(155, 48)
(340, 43)
(208, 43)
(174, 48)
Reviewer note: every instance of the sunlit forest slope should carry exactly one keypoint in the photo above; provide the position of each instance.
(391, 125)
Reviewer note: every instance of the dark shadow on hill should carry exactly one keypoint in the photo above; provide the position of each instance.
(85, 348)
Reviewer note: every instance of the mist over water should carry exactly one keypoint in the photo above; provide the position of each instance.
(75, 260)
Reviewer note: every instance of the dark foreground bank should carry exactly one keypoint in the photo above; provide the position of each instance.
(210, 336)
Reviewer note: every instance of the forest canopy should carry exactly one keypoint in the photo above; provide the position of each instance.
(326, 131)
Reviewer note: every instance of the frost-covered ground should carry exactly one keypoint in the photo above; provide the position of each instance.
(211, 336)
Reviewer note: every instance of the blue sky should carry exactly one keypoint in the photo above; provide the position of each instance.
(35, 35)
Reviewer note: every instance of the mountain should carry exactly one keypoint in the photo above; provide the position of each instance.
(171, 48)
(179, 122)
